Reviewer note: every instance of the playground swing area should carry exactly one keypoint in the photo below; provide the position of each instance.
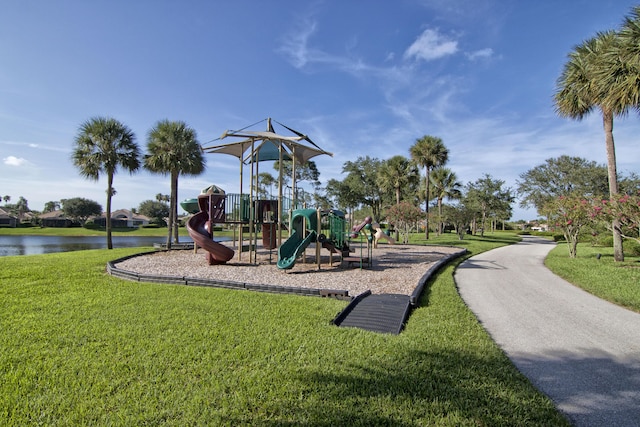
(305, 251)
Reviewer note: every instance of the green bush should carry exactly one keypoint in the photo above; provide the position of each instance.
(631, 247)
(605, 240)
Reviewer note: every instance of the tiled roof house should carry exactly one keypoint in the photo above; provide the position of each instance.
(123, 218)
(7, 220)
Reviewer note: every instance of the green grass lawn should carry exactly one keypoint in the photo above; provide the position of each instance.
(618, 282)
(78, 347)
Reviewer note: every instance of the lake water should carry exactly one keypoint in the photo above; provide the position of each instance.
(34, 245)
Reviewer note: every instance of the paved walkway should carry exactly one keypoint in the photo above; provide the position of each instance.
(581, 351)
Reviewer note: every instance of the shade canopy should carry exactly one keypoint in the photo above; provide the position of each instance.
(265, 145)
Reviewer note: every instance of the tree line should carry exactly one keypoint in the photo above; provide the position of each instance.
(103, 145)
(393, 190)
(603, 73)
(573, 194)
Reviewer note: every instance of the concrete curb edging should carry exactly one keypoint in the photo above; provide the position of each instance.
(195, 281)
(414, 298)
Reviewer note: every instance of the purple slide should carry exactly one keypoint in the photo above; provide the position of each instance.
(217, 252)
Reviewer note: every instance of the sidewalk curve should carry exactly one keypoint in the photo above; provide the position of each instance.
(581, 351)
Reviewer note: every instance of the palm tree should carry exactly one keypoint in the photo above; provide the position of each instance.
(444, 184)
(429, 152)
(395, 174)
(173, 149)
(162, 197)
(51, 206)
(265, 179)
(597, 75)
(101, 146)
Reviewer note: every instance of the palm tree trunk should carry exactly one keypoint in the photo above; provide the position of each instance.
(174, 192)
(170, 222)
(607, 122)
(426, 207)
(440, 227)
(108, 217)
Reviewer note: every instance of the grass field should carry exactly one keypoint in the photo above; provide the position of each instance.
(618, 282)
(78, 347)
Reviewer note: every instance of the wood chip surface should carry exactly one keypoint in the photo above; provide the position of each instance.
(395, 269)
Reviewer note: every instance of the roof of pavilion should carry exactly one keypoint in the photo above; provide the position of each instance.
(251, 146)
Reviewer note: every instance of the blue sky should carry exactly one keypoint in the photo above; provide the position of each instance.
(359, 77)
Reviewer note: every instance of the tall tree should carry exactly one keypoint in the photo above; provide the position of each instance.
(156, 210)
(396, 174)
(80, 209)
(22, 207)
(51, 206)
(429, 152)
(490, 198)
(342, 195)
(266, 180)
(361, 183)
(561, 176)
(102, 145)
(444, 185)
(460, 215)
(163, 198)
(598, 74)
(173, 150)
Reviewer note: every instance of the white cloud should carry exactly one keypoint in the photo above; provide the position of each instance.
(295, 46)
(480, 54)
(431, 45)
(15, 161)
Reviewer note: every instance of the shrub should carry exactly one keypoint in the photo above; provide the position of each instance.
(630, 247)
(605, 240)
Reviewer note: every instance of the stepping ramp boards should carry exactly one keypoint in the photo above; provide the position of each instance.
(291, 249)
(385, 313)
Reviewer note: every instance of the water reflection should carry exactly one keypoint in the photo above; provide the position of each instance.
(35, 245)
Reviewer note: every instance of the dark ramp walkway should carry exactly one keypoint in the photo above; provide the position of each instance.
(384, 313)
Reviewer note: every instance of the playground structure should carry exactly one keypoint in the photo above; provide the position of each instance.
(216, 208)
(326, 229)
(246, 210)
(380, 235)
(200, 227)
(248, 213)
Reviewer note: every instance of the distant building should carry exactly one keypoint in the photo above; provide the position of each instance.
(7, 220)
(123, 218)
(56, 218)
(538, 226)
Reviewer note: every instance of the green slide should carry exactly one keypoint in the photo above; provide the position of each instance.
(291, 249)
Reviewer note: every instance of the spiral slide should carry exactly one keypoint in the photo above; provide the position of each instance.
(217, 252)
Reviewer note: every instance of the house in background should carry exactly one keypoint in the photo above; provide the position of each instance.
(56, 218)
(7, 220)
(123, 218)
